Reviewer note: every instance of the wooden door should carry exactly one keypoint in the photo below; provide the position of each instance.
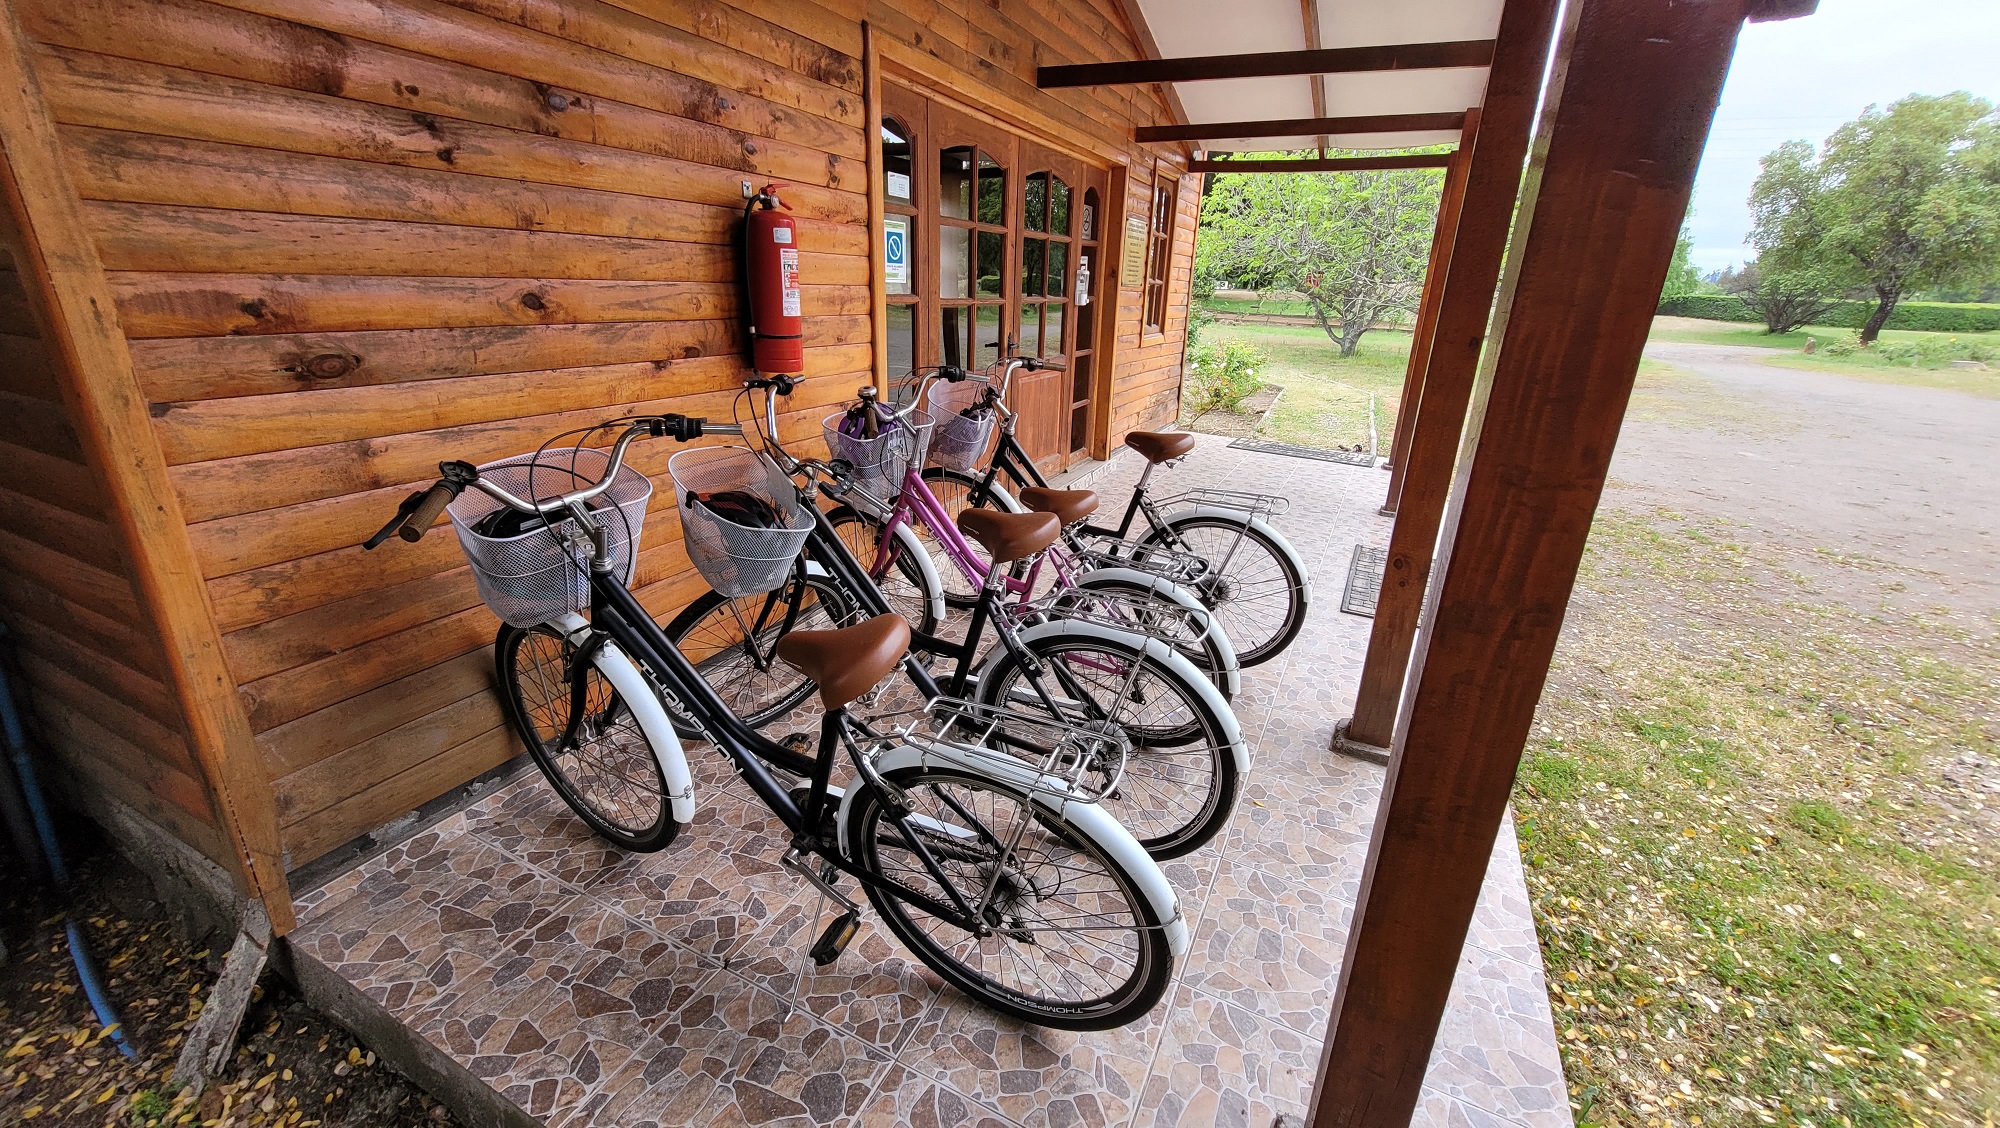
(1045, 249)
(972, 214)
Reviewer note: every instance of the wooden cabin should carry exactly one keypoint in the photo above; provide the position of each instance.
(263, 263)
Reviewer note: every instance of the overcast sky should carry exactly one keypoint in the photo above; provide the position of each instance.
(1802, 78)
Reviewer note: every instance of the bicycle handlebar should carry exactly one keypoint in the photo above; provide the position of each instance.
(419, 511)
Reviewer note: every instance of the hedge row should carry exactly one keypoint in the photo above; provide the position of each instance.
(1933, 317)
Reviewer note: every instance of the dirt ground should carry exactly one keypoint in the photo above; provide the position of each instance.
(1903, 475)
(292, 1067)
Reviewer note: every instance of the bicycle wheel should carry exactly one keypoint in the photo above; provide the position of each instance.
(904, 586)
(733, 642)
(584, 738)
(954, 489)
(1074, 944)
(1181, 778)
(1259, 595)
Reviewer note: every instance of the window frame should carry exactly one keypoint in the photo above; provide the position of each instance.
(1159, 255)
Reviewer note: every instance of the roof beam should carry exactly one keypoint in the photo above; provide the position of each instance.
(1328, 164)
(1309, 18)
(1265, 64)
(1289, 127)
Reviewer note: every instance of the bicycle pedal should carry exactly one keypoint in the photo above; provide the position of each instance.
(835, 939)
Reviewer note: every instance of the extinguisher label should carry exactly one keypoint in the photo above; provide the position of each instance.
(788, 274)
(781, 234)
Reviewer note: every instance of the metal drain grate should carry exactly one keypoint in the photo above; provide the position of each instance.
(1266, 446)
(1364, 580)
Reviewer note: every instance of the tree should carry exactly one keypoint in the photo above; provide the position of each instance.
(1354, 243)
(1785, 301)
(1683, 279)
(1896, 201)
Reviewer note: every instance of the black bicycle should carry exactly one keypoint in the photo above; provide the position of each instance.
(980, 850)
(1182, 753)
(1217, 543)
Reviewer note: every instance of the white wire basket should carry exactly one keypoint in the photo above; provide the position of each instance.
(881, 463)
(715, 487)
(963, 429)
(544, 573)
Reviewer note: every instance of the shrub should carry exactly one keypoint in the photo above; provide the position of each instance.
(1929, 317)
(1925, 352)
(1221, 375)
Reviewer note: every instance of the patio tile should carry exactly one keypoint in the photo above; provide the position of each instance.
(909, 1098)
(1496, 1048)
(1271, 946)
(1038, 1078)
(1220, 1064)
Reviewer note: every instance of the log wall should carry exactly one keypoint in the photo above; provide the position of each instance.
(349, 238)
(90, 660)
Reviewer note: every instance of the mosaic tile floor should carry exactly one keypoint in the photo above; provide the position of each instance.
(591, 987)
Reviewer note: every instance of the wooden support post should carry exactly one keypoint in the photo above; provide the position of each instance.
(1450, 205)
(878, 282)
(1629, 110)
(65, 281)
(1492, 183)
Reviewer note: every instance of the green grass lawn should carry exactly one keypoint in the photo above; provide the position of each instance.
(1762, 893)
(1326, 399)
(1894, 365)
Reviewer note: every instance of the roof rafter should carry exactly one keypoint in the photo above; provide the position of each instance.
(1327, 164)
(1308, 127)
(1266, 64)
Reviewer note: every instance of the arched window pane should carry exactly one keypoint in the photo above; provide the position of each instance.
(897, 161)
(955, 182)
(1058, 206)
(1037, 202)
(992, 192)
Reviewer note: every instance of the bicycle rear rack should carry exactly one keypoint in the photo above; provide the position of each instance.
(1259, 505)
(1184, 568)
(1087, 762)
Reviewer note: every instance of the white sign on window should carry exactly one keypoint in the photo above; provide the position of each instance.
(899, 185)
(896, 250)
(1089, 222)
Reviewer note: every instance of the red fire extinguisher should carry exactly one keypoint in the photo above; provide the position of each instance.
(771, 272)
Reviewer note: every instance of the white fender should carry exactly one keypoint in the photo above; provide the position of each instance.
(1163, 588)
(1050, 794)
(1257, 523)
(912, 546)
(1173, 660)
(639, 697)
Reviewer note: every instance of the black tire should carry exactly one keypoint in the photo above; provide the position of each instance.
(904, 586)
(1181, 782)
(1260, 598)
(954, 489)
(1127, 970)
(756, 686)
(597, 757)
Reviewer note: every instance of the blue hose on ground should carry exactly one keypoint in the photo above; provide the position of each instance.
(86, 964)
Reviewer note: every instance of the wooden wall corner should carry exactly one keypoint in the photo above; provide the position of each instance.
(74, 309)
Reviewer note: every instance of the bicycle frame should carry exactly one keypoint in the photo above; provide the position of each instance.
(617, 616)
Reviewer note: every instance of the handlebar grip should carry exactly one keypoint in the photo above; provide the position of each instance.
(426, 513)
(951, 373)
